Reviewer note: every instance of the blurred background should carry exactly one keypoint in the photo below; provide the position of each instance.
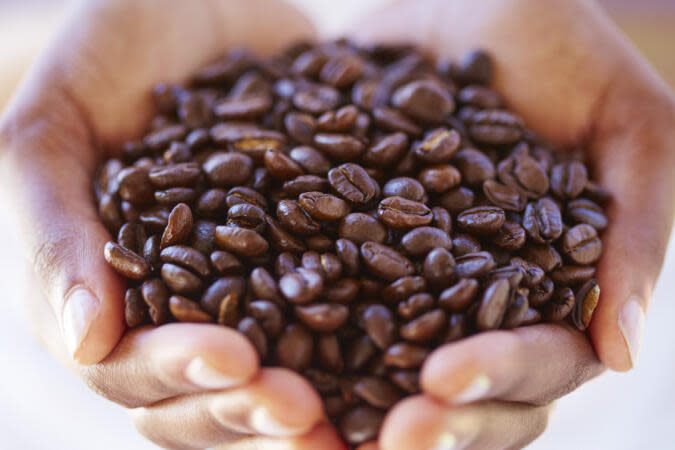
(43, 406)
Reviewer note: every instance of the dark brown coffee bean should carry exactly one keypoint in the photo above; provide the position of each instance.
(323, 382)
(560, 305)
(226, 263)
(422, 240)
(541, 293)
(135, 308)
(162, 137)
(581, 244)
(285, 263)
(156, 296)
(568, 179)
(401, 213)
(131, 236)
(438, 179)
(585, 211)
(311, 160)
(385, 262)
(323, 317)
(493, 305)
(305, 183)
(360, 228)
(309, 63)
(331, 267)
(342, 70)
(361, 424)
(302, 286)
(424, 100)
(482, 219)
(359, 353)
(329, 353)
(522, 172)
(386, 150)
(316, 99)
(415, 305)
(135, 186)
(240, 241)
(187, 257)
(504, 196)
(241, 194)
(295, 348)
(441, 219)
(393, 120)
(380, 325)
(212, 203)
(496, 127)
(203, 236)
(151, 252)
(353, 183)
(295, 219)
(403, 288)
(405, 187)
(377, 392)
(543, 221)
(458, 297)
(263, 286)
(172, 196)
(281, 166)
(250, 328)
(247, 215)
(281, 240)
(185, 310)
(511, 273)
(255, 148)
(233, 286)
(586, 299)
(405, 356)
(176, 175)
(340, 121)
(545, 256)
(109, 211)
(340, 147)
(407, 380)
(457, 200)
(480, 97)
(227, 169)
(300, 127)
(247, 108)
(511, 236)
(474, 166)
(438, 146)
(321, 206)
(126, 262)
(473, 265)
(463, 244)
(426, 327)
(227, 132)
(439, 268)
(345, 290)
(516, 313)
(180, 280)
(597, 193)
(532, 273)
(197, 139)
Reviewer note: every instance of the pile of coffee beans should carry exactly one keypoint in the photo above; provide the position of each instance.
(349, 209)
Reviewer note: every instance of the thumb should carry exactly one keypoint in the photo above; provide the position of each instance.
(46, 167)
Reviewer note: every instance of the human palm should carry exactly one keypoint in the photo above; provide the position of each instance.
(560, 64)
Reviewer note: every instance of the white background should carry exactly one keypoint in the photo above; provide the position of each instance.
(43, 406)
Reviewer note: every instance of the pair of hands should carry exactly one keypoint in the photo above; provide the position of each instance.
(560, 64)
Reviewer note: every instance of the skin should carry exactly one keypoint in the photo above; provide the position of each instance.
(561, 65)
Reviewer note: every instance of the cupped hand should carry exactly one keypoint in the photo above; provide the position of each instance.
(186, 385)
(577, 82)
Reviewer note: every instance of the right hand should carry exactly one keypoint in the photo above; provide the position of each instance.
(187, 385)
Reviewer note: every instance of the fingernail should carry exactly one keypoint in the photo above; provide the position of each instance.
(205, 375)
(263, 422)
(475, 390)
(79, 311)
(631, 324)
(446, 441)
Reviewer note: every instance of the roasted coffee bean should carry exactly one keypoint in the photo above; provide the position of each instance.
(156, 296)
(345, 290)
(424, 100)
(300, 127)
(126, 262)
(226, 263)
(403, 288)
(294, 348)
(281, 240)
(473, 265)
(516, 313)
(185, 310)
(426, 327)
(310, 160)
(463, 244)
(203, 236)
(322, 317)
(240, 194)
(349, 255)
(441, 219)
(131, 236)
(541, 293)
(305, 183)
(523, 173)
(597, 193)
(212, 298)
(532, 273)
(187, 257)
(581, 244)
(180, 280)
(572, 275)
(511, 236)
(135, 308)
(250, 328)
(227, 169)
(264, 286)
(422, 240)
(543, 221)
(560, 305)
(285, 263)
(295, 219)
(474, 67)
(385, 262)
(438, 146)
(386, 150)
(439, 268)
(585, 211)
(586, 299)
(172, 196)
(360, 228)
(247, 215)
(302, 286)
(474, 166)
(457, 298)
(493, 305)
(482, 219)
(359, 353)
(393, 120)
(480, 97)
(568, 179)
(151, 251)
(401, 213)
(340, 147)
(109, 211)
(329, 352)
(361, 424)
(545, 256)
(379, 324)
(457, 200)
(341, 120)
(176, 175)
(281, 166)
(240, 241)
(407, 380)
(377, 392)
(179, 226)
(457, 328)
(415, 305)
(135, 186)
(405, 187)
(353, 183)
(496, 127)
(405, 356)
(316, 99)
(511, 273)
(503, 196)
(322, 206)
(437, 179)
(342, 70)
(212, 203)
(319, 243)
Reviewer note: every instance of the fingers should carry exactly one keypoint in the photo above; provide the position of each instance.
(420, 422)
(322, 437)
(153, 364)
(277, 403)
(533, 365)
